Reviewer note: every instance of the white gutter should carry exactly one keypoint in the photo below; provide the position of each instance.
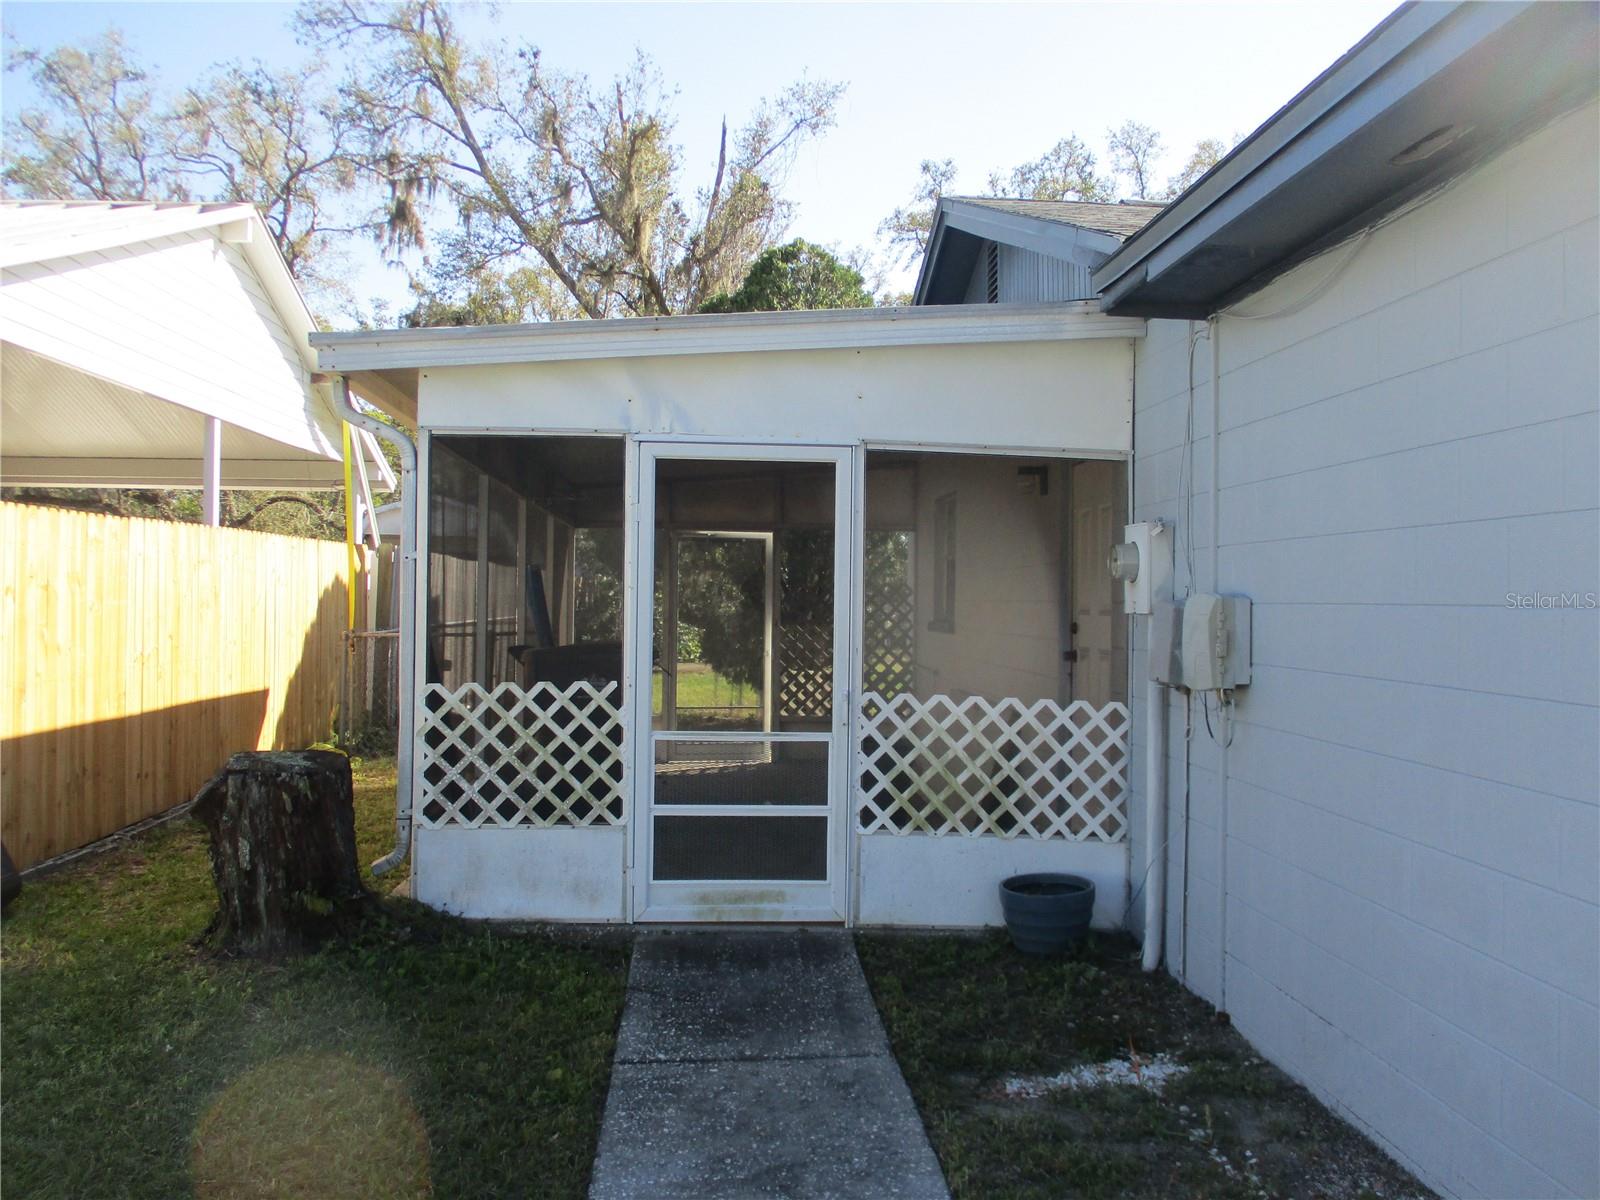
(406, 581)
(721, 333)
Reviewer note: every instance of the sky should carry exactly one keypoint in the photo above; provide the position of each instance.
(988, 85)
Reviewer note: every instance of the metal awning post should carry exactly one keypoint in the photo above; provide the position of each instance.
(211, 474)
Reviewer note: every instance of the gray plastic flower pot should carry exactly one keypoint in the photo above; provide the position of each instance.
(1046, 913)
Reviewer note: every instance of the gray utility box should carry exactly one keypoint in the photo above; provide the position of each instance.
(1202, 644)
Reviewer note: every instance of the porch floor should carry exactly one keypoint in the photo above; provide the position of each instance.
(753, 1063)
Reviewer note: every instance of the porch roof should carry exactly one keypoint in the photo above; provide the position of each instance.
(386, 364)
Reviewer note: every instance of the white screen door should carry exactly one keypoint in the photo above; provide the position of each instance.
(741, 737)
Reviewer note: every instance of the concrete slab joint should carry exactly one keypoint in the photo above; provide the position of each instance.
(753, 1064)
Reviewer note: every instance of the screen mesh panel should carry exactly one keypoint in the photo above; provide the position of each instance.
(755, 772)
(765, 848)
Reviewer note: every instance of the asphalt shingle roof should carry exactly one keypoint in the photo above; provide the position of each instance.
(1119, 220)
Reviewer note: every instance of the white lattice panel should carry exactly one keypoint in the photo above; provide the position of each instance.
(1001, 767)
(544, 755)
(805, 671)
(889, 635)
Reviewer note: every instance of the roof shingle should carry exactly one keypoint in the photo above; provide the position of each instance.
(1121, 220)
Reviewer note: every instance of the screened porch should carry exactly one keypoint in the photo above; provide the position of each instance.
(793, 616)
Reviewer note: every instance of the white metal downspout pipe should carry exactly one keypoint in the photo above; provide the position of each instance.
(406, 581)
(1155, 821)
(1160, 568)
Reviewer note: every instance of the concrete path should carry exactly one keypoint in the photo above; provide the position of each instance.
(753, 1064)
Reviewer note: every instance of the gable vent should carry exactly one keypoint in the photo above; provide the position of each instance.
(991, 294)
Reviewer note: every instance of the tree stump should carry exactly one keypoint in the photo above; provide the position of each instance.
(283, 849)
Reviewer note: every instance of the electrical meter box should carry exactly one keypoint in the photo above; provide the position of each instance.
(1143, 565)
(1214, 653)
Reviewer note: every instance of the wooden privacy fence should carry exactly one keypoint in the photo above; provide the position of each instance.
(139, 654)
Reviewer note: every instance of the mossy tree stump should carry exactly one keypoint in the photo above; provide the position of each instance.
(283, 849)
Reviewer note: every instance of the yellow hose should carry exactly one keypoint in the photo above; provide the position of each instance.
(350, 523)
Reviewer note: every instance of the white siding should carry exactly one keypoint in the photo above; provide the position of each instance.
(181, 317)
(1028, 277)
(1402, 911)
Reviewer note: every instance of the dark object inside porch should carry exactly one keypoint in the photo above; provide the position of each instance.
(599, 663)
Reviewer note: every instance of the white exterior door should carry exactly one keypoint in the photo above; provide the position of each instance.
(738, 814)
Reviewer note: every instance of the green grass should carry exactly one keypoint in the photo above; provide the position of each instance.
(708, 700)
(964, 1013)
(424, 1056)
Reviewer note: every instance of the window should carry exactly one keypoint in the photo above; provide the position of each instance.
(991, 292)
(944, 564)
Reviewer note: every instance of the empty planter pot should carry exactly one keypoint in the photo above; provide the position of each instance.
(1046, 913)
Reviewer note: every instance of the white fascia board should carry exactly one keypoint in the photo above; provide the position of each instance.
(1053, 239)
(729, 333)
(1191, 217)
(141, 226)
(930, 254)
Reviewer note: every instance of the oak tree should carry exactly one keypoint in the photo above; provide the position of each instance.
(545, 169)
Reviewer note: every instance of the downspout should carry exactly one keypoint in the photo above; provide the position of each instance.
(1155, 761)
(406, 581)
(1216, 586)
(1155, 820)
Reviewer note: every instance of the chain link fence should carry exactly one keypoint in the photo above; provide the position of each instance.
(369, 708)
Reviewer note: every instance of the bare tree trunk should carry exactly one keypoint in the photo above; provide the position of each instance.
(283, 849)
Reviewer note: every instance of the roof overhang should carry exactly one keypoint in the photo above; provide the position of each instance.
(99, 433)
(1431, 92)
(960, 229)
(69, 425)
(383, 365)
(65, 228)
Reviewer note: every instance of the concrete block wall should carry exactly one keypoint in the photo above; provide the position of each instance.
(1390, 877)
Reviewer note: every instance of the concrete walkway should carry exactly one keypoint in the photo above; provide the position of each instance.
(753, 1064)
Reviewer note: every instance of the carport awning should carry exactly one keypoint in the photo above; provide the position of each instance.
(127, 330)
(95, 433)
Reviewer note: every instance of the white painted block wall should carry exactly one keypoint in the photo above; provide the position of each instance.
(1390, 879)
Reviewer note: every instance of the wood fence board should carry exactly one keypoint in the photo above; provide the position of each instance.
(141, 654)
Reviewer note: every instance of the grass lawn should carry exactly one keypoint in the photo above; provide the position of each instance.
(426, 1057)
(965, 1014)
(708, 700)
